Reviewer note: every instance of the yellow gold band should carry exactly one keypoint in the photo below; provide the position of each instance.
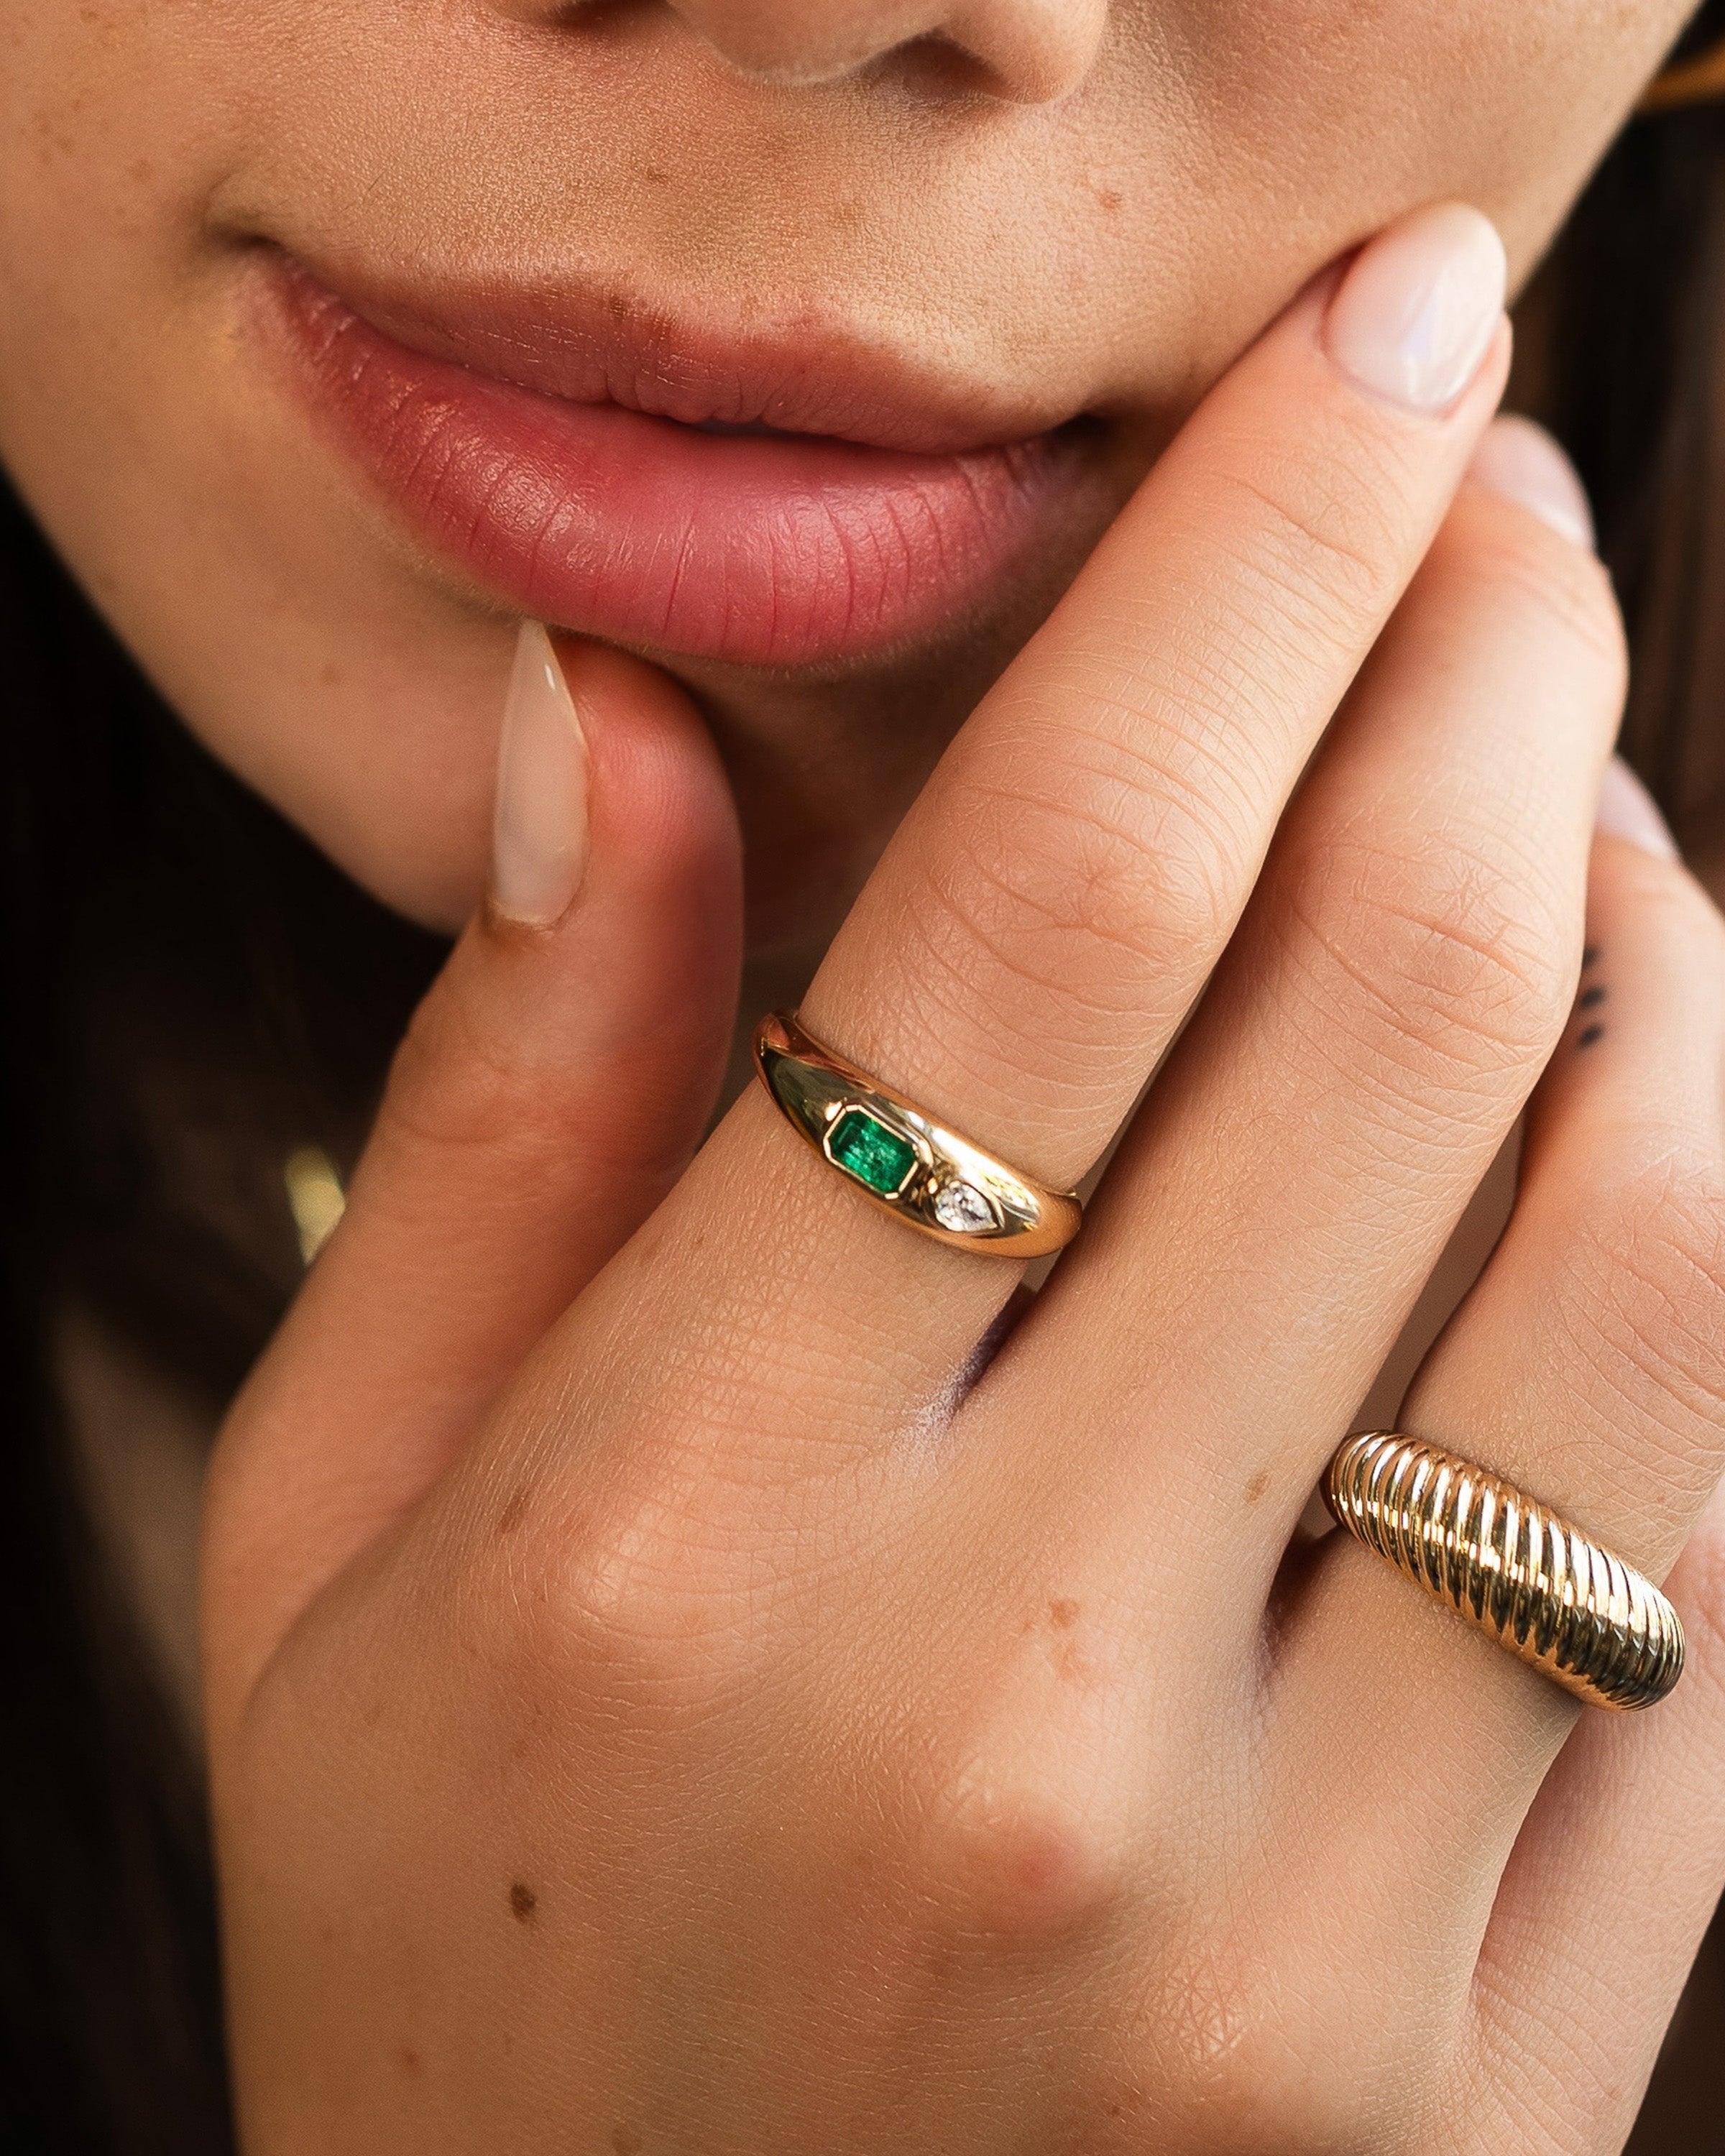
(902, 1159)
(1510, 1566)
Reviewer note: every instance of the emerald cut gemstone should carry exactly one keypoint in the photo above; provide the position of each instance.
(864, 1146)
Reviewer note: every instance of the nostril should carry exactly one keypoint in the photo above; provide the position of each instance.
(1025, 52)
(802, 44)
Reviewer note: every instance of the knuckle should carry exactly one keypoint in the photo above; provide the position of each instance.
(632, 1612)
(1010, 1851)
(1028, 1825)
(1444, 965)
(452, 1088)
(1316, 545)
(1092, 875)
(1264, 2037)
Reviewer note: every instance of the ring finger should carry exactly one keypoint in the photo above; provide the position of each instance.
(1588, 1363)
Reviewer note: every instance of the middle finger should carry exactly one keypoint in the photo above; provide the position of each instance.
(1404, 973)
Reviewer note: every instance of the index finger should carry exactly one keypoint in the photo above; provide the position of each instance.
(1041, 921)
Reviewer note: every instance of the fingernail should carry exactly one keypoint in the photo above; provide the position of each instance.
(1522, 462)
(540, 845)
(1626, 811)
(1417, 310)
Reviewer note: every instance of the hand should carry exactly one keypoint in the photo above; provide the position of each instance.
(666, 1696)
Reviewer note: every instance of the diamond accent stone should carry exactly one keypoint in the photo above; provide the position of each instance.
(963, 1209)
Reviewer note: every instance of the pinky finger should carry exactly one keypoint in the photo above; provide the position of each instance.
(1613, 1878)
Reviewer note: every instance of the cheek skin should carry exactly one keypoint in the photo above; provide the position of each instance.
(1506, 107)
(242, 572)
(1110, 254)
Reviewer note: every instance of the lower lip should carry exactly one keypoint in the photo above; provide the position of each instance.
(788, 551)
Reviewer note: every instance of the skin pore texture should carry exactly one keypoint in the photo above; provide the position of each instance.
(1104, 252)
(666, 1690)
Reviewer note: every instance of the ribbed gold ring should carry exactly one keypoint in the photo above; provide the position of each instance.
(899, 1157)
(1511, 1567)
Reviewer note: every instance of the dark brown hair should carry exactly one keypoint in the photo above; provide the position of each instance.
(188, 991)
(1623, 355)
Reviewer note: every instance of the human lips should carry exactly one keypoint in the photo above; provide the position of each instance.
(788, 501)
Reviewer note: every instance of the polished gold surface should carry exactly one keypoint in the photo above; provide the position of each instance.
(1512, 1567)
(901, 1159)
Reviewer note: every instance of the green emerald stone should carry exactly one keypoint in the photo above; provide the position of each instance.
(864, 1146)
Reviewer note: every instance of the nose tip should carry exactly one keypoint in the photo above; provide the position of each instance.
(1038, 51)
(1031, 51)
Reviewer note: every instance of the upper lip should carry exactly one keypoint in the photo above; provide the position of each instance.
(591, 341)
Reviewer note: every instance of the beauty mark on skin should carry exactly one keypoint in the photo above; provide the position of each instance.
(513, 1513)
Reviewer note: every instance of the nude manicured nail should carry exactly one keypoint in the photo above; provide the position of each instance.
(541, 834)
(1523, 464)
(1627, 811)
(1415, 313)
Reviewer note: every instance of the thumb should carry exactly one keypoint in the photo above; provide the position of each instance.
(551, 1087)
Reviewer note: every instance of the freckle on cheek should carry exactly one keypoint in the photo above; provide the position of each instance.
(523, 1900)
